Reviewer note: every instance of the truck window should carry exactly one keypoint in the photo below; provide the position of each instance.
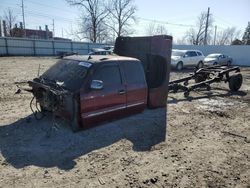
(110, 75)
(134, 72)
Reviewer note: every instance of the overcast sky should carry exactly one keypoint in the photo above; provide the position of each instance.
(177, 15)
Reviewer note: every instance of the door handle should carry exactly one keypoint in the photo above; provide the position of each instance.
(121, 92)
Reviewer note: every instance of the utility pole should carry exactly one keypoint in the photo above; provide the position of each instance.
(0, 28)
(53, 24)
(23, 18)
(4, 29)
(215, 32)
(62, 32)
(205, 39)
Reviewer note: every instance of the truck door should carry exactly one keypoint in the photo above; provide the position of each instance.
(105, 103)
(136, 85)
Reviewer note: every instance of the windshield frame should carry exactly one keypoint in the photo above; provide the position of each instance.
(67, 74)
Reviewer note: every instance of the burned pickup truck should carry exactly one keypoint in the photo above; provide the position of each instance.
(86, 90)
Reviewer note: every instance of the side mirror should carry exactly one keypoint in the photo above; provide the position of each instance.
(184, 55)
(96, 84)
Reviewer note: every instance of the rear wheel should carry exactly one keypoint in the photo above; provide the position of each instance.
(179, 66)
(235, 82)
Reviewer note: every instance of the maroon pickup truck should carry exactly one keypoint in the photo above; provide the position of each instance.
(86, 90)
(102, 87)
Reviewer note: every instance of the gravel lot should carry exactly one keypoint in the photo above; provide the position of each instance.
(194, 149)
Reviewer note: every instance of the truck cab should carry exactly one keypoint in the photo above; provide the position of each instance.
(91, 89)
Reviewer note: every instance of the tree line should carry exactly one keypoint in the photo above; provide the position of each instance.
(104, 20)
(228, 36)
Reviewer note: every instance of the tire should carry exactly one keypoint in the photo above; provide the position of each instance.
(179, 66)
(200, 65)
(235, 82)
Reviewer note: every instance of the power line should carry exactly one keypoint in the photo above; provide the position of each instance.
(224, 21)
(39, 14)
(41, 4)
(167, 23)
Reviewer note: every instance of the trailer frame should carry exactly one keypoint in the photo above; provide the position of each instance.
(205, 76)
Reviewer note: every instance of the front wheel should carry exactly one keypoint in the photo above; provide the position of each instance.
(179, 66)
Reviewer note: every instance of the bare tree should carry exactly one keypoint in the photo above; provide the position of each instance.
(10, 19)
(196, 35)
(246, 35)
(92, 20)
(181, 41)
(156, 29)
(227, 36)
(121, 14)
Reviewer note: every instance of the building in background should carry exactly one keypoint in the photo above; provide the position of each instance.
(20, 32)
(31, 33)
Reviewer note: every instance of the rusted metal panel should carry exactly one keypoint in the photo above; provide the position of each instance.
(155, 54)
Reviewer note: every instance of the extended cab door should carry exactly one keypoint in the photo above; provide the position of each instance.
(108, 102)
(135, 84)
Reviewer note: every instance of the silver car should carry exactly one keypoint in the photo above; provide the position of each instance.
(218, 59)
(186, 58)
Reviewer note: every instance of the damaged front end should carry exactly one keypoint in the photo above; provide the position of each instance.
(49, 98)
(58, 91)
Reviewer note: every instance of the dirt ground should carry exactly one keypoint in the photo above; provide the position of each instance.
(193, 149)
